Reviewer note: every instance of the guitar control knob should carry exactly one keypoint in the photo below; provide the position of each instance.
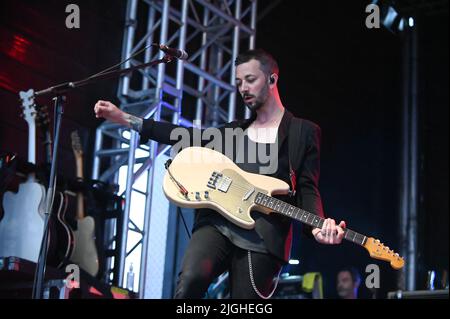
(197, 195)
(206, 195)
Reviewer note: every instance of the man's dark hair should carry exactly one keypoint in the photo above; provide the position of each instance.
(268, 64)
(356, 277)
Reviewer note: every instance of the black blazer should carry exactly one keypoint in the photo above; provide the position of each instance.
(275, 230)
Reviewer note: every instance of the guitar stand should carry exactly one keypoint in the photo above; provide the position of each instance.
(40, 269)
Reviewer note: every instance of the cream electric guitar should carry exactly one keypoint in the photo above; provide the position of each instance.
(22, 226)
(84, 252)
(203, 178)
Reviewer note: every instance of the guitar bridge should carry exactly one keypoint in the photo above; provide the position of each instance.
(219, 182)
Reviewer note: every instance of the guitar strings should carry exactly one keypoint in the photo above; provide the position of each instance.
(241, 187)
(246, 189)
(235, 185)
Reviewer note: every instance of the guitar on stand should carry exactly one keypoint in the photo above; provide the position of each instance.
(22, 226)
(37, 203)
(85, 251)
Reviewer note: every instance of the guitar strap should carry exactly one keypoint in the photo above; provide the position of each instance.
(295, 132)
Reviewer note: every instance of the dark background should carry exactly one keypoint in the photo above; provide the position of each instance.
(333, 71)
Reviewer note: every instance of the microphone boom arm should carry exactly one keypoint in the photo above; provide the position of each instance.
(67, 86)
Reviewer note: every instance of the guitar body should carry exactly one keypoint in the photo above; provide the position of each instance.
(22, 226)
(61, 242)
(85, 252)
(194, 166)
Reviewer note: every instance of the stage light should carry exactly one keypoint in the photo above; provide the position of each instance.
(294, 262)
(390, 17)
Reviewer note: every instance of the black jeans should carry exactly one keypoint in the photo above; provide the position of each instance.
(209, 254)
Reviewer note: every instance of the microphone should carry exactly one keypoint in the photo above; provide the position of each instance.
(177, 53)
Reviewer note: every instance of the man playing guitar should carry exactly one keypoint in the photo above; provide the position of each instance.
(252, 257)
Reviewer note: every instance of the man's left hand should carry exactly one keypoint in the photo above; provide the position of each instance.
(330, 233)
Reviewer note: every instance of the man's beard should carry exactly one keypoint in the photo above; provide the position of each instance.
(255, 105)
(259, 101)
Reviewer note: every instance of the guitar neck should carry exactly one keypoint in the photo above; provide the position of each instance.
(303, 216)
(31, 142)
(80, 199)
(29, 114)
(48, 147)
(31, 147)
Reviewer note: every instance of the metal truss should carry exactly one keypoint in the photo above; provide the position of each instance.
(198, 92)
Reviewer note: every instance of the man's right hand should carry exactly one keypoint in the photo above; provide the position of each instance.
(110, 112)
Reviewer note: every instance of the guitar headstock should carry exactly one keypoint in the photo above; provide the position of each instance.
(377, 250)
(42, 117)
(76, 144)
(28, 107)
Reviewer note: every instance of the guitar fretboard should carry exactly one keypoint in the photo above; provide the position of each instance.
(303, 216)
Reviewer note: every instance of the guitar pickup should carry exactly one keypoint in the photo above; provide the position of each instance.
(248, 194)
(224, 184)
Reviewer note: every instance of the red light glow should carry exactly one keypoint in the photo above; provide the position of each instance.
(19, 48)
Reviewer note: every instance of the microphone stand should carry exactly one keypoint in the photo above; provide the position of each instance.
(58, 91)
